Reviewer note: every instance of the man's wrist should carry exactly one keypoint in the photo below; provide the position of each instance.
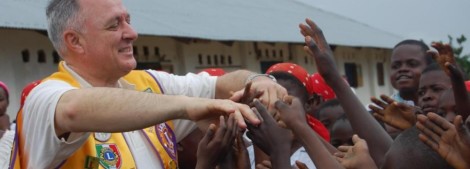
(256, 76)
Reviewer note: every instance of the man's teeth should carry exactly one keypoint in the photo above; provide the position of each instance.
(125, 50)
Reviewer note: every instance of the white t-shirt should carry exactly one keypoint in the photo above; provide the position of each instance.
(47, 151)
(299, 155)
(6, 142)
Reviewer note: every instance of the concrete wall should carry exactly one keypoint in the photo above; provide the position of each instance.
(16, 73)
(181, 55)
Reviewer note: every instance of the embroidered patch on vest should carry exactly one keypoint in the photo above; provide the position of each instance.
(92, 162)
(167, 138)
(109, 156)
(102, 137)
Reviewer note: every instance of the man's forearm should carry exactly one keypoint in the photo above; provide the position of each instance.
(114, 110)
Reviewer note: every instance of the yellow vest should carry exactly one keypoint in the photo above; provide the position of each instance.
(108, 150)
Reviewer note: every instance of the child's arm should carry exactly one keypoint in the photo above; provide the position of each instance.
(293, 115)
(275, 141)
(361, 121)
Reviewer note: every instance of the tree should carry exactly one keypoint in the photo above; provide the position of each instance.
(462, 59)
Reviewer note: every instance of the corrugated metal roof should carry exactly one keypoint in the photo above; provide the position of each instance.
(242, 20)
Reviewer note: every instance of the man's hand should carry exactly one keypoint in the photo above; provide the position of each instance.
(199, 108)
(355, 157)
(263, 88)
(451, 141)
(398, 115)
(215, 145)
(247, 97)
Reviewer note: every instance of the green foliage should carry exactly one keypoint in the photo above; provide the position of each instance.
(462, 59)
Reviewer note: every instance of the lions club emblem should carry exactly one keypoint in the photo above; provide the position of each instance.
(167, 138)
(109, 156)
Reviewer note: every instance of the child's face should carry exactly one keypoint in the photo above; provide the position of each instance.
(431, 86)
(341, 133)
(447, 105)
(407, 64)
(328, 115)
(3, 102)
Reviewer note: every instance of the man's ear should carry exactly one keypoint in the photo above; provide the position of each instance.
(73, 41)
(312, 104)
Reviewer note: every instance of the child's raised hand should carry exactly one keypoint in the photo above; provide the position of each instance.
(216, 143)
(461, 97)
(268, 136)
(355, 157)
(318, 48)
(445, 55)
(398, 115)
(291, 111)
(241, 153)
(451, 141)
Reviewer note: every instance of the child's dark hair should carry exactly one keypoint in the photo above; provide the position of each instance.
(414, 154)
(279, 75)
(432, 67)
(421, 44)
(329, 103)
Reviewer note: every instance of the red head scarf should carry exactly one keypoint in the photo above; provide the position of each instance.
(302, 75)
(214, 71)
(298, 71)
(5, 88)
(321, 88)
(318, 127)
(467, 85)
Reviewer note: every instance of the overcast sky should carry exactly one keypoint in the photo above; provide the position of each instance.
(430, 20)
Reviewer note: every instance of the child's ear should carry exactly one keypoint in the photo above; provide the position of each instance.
(312, 104)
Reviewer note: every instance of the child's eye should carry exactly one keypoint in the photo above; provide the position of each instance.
(413, 63)
(395, 65)
(420, 93)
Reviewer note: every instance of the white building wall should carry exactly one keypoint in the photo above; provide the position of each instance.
(160, 49)
(14, 72)
(366, 60)
(202, 54)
